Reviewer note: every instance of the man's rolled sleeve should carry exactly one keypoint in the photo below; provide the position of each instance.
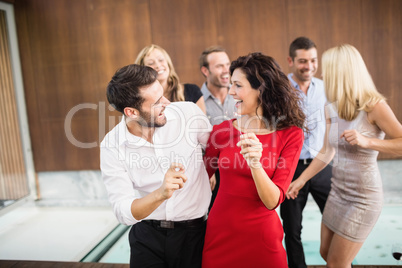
(118, 184)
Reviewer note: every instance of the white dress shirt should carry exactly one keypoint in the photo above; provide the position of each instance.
(132, 167)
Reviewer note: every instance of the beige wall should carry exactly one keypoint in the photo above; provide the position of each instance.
(71, 48)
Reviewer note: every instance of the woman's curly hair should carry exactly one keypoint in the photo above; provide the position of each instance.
(279, 100)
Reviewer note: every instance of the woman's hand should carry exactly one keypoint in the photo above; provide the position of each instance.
(251, 149)
(353, 137)
(294, 188)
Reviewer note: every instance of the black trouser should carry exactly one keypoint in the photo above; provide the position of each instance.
(291, 211)
(157, 247)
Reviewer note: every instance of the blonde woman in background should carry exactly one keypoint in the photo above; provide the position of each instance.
(358, 118)
(156, 57)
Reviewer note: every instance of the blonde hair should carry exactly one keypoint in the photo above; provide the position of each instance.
(348, 82)
(175, 88)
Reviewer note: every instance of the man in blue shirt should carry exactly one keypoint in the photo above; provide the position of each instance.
(214, 66)
(304, 63)
(220, 105)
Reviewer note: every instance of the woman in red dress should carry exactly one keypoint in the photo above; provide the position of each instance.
(256, 154)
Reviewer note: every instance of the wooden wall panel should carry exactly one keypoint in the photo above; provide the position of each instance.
(255, 26)
(118, 31)
(70, 49)
(57, 67)
(13, 179)
(327, 23)
(381, 38)
(184, 29)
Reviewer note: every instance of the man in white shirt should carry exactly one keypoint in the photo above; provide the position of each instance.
(152, 167)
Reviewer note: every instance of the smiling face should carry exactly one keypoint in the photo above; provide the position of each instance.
(247, 98)
(304, 65)
(152, 109)
(218, 69)
(157, 60)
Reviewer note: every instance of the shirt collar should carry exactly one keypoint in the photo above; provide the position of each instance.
(205, 91)
(126, 137)
(295, 85)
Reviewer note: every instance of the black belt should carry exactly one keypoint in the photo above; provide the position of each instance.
(177, 224)
(306, 162)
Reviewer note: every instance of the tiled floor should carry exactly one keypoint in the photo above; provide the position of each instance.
(377, 248)
(69, 233)
(74, 216)
(375, 251)
(32, 232)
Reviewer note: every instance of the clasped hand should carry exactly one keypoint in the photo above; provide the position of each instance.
(251, 149)
(353, 137)
(294, 188)
(174, 180)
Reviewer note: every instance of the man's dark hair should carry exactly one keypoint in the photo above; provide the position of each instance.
(300, 43)
(124, 88)
(206, 52)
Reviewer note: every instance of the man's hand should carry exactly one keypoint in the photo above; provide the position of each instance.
(174, 180)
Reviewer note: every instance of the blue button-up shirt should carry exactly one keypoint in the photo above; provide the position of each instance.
(218, 112)
(313, 106)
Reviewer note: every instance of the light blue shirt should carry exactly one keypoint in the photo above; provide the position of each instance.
(313, 106)
(218, 112)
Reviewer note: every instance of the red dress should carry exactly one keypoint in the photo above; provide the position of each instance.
(241, 231)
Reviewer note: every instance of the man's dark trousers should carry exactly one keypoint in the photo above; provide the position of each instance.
(292, 211)
(157, 247)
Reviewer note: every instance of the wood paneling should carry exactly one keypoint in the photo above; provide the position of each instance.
(13, 180)
(380, 45)
(69, 51)
(381, 39)
(118, 31)
(56, 61)
(71, 48)
(327, 23)
(255, 26)
(184, 29)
